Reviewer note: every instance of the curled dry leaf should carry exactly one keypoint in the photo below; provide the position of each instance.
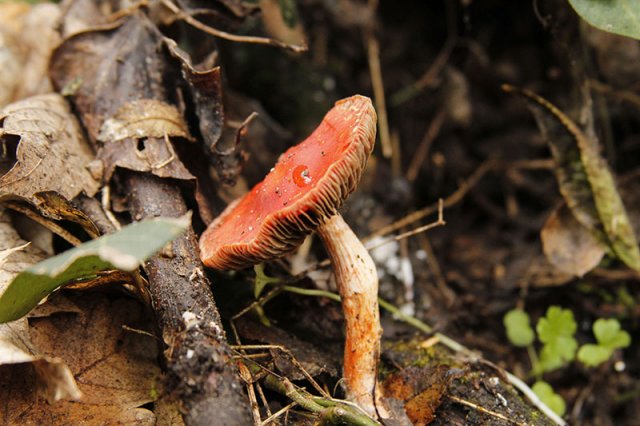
(51, 154)
(120, 75)
(144, 118)
(205, 87)
(85, 15)
(16, 346)
(115, 368)
(569, 246)
(27, 37)
(585, 181)
(136, 138)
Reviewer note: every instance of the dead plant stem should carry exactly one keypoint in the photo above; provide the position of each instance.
(228, 36)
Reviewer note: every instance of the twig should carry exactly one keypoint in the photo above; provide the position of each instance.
(340, 410)
(451, 200)
(373, 56)
(248, 379)
(200, 367)
(423, 149)
(484, 410)
(278, 413)
(436, 67)
(418, 230)
(228, 36)
(436, 270)
(294, 361)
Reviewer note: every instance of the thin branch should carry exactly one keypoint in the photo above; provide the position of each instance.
(294, 361)
(451, 200)
(423, 149)
(341, 411)
(278, 413)
(373, 56)
(418, 230)
(228, 36)
(485, 410)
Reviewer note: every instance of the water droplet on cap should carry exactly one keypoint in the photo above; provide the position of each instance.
(301, 176)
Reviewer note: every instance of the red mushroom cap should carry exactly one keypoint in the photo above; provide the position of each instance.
(308, 184)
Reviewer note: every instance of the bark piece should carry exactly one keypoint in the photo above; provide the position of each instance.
(200, 366)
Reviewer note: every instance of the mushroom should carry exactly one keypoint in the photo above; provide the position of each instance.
(300, 194)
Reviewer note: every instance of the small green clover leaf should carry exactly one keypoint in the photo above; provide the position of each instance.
(546, 393)
(519, 331)
(556, 330)
(609, 336)
(593, 355)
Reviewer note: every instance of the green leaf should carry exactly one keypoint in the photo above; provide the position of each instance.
(593, 355)
(519, 330)
(125, 249)
(615, 16)
(556, 330)
(609, 334)
(557, 323)
(546, 393)
(550, 359)
(584, 179)
(262, 280)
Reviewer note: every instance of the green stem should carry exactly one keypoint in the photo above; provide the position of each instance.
(311, 292)
(535, 362)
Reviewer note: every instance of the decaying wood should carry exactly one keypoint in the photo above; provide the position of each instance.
(198, 360)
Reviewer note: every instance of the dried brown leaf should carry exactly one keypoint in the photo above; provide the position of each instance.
(144, 118)
(27, 37)
(281, 21)
(115, 368)
(51, 152)
(570, 246)
(585, 181)
(114, 70)
(205, 86)
(16, 346)
(421, 390)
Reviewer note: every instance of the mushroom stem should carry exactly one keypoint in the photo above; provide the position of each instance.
(357, 281)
